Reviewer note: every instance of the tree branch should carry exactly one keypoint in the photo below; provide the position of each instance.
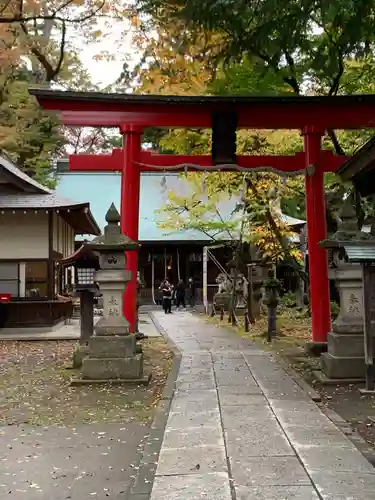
(20, 18)
(50, 71)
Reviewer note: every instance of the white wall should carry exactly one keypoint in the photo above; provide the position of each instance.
(24, 235)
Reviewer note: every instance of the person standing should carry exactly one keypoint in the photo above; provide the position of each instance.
(166, 291)
(180, 294)
(191, 292)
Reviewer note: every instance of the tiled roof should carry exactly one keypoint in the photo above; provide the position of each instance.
(8, 165)
(101, 189)
(37, 201)
(31, 195)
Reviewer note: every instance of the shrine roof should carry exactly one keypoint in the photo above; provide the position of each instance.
(18, 191)
(12, 175)
(360, 169)
(101, 189)
(286, 111)
(78, 215)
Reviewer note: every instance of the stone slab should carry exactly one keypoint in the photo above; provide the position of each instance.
(146, 326)
(193, 436)
(191, 460)
(242, 399)
(195, 395)
(194, 419)
(324, 380)
(342, 345)
(189, 370)
(283, 390)
(239, 389)
(112, 368)
(230, 364)
(112, 346)
(276, 493)
(245, 415)
(294, 406)
(183, 405)
(229, 377)
(304, 436)
(116, 325)
(270, 471)
(344, 486)
(269, 442)
(195, 377)
(199, 385)
(340, 367)
(213, 486)
(338, 459)
(145, 380)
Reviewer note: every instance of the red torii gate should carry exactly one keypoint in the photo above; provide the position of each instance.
(133, 113)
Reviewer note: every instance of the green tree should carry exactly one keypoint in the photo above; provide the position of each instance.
(307, 45)
(38, 47)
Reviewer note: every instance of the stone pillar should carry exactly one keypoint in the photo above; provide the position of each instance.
(344, 358)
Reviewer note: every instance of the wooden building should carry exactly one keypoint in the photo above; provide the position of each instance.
(37, 229)
(175, 254)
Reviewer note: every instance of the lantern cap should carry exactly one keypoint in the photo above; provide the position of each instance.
(112, 215)
(347, 228)
(112, 240)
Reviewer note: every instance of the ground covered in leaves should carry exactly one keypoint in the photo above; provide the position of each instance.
(294, 330)
(34, 387)
(61, 442)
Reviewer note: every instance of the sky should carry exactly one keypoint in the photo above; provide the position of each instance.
(114, 42)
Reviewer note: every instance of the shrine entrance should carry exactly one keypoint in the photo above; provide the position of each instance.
(224, 115)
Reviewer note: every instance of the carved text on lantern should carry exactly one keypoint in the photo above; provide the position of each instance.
(354, 305)
(112, 301)
(113, 311)
(112, 260)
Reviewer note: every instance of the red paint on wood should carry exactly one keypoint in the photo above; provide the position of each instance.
(316, 232)
(130, 190)
(268, 116)
(114, 162)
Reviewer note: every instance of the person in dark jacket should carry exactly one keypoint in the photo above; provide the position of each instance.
(191, 292)
(180, 294)
(166, 291)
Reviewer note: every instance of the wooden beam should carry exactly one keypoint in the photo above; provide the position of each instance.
(151, 162)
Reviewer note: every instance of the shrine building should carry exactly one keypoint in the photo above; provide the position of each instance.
(177, 254)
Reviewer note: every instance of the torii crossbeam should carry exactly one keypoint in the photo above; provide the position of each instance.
(313, 116)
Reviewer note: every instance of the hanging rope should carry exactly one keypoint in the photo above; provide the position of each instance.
(230, 166)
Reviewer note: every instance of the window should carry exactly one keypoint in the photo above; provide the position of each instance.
(36, 279)
(9, 278)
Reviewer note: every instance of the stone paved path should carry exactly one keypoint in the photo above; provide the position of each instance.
(240, 428)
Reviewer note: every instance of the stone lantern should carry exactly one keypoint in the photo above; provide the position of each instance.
(112, 353)
(344, 358)
(257, 270)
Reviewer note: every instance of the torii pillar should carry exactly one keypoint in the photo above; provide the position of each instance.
(316, 232)
(129, 212)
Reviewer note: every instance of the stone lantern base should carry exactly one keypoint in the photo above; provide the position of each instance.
(113, 359)
(344, 358)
